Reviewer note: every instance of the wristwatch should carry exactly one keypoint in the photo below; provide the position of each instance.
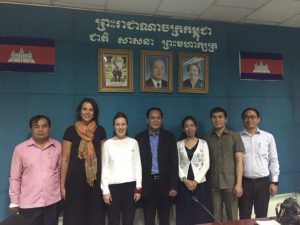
(276, 183)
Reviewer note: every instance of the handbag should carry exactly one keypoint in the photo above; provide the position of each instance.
(288, 212)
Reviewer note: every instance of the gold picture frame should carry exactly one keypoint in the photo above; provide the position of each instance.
(193, 73)
(156, 71)
(115, 70)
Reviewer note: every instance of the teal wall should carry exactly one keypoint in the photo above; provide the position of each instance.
(57, 95)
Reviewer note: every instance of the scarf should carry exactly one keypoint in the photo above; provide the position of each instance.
(86, 149)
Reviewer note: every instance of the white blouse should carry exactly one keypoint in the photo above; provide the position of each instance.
(199, 162)
(121, 163)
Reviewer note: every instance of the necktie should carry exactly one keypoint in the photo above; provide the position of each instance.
(157, 84)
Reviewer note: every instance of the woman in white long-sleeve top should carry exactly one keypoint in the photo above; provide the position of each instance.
(193, 161)
(121, 180)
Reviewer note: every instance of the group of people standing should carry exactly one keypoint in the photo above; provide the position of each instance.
(96, 177)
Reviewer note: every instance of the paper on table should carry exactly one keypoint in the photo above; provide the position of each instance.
(267, 222)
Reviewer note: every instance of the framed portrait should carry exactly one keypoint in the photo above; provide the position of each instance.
(115, 70)
(156, 71)
(193, 73)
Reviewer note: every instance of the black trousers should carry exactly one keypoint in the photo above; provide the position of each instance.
(255, 193)
(156, 202)
(47, 215)
(84, 205)
(122, 203)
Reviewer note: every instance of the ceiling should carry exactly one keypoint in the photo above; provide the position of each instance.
(268, 12)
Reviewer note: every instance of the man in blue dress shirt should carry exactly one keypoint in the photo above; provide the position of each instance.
(159, 160)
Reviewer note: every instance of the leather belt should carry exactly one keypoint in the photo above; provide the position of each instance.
(260, 179)
(155, 176)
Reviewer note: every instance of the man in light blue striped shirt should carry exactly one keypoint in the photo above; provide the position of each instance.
(261, 167)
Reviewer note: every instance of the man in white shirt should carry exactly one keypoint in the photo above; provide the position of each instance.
(261, 167)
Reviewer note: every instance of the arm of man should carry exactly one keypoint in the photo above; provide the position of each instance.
(273, 166)
(173, 166)
(238, 189)
(59, 163)
(15, 181)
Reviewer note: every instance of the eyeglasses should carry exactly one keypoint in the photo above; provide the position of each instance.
(250, 117)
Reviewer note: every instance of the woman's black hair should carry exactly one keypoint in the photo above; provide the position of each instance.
(189, 117)
(192, 64)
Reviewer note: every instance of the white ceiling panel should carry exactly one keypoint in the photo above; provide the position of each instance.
(276, 11)
(251, 4)
(189, 16)
(293, 22)
(245, 21)
(82, 2)
(133, 6)
(42, 2)
(227, 14)
(87, 4)
(185, 7)
(267, 12)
